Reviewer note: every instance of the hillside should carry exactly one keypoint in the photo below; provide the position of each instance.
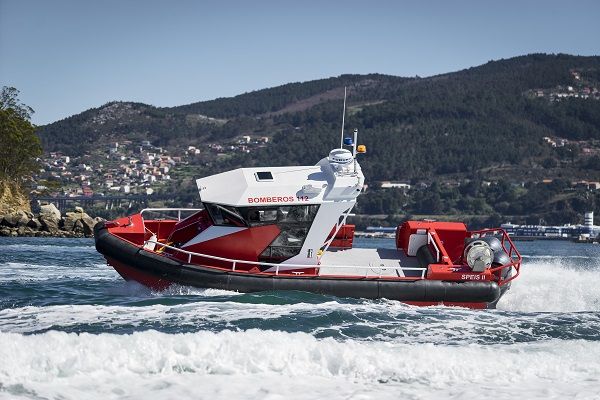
(460, 122)
(214, 120)
(522, 121)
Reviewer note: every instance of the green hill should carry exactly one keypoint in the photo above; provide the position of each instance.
(214, 120)
(485, 123)
(414, 128)
(462, 122)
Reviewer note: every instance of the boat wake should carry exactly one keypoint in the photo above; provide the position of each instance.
(31, 272)
(557, 285)
(552, 299)
(76, 330)
(268, 364)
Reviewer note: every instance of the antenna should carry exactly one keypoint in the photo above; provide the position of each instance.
(354, 147)
(354, 143)
(343, 120)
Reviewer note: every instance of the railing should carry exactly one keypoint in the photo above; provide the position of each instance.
(235, 262)
(432, 239)
(441, 256)
(163, 210)
(179, 210)
(511, 251)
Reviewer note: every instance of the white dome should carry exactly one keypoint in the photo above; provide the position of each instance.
(340, 156)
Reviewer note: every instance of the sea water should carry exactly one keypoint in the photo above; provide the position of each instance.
(71, 328)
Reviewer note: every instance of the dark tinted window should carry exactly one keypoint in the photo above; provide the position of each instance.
(225, 215)
(257, 216)
(264, 176)
(294, 222)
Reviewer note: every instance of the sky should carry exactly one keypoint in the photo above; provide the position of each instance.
(66, 56)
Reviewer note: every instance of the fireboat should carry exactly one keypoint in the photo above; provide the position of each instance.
(285, 228)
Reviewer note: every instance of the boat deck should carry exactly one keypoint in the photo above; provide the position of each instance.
(377, 262)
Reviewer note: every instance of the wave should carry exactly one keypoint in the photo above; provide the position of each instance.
(182, 290)
(260, 364)
(34, 319)
(19, 272)
(27, 247)
(385, 321)
(554, 286)
(560, 257)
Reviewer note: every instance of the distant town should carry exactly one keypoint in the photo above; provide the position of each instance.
(124, 167)
(580, 89)
(140, 168)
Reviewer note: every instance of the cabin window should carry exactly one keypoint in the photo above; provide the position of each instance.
(258, 216)
(225, 215)
(262, 176)
(293, 221)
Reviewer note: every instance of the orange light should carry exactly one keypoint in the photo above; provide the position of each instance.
(361, 148)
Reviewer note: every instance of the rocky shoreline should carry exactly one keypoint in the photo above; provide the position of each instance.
(49, 222)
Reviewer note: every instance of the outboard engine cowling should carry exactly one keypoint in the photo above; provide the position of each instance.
(478, 255)
(500, 256)
(494, 243)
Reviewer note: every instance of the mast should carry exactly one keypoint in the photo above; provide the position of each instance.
(343, 120)
(354, 147)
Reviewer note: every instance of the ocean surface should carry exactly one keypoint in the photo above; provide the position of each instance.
(71, 328)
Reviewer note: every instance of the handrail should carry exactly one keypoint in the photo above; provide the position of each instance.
(179, 210)
(432, 238)
(431, 241)
(297, 266)
(511, 251)
(440, 250)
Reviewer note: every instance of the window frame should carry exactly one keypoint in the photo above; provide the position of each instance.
(286, 226)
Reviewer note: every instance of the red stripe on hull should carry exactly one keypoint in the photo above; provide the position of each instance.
(131, 274)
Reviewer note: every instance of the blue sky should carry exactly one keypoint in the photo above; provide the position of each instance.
(69, 55)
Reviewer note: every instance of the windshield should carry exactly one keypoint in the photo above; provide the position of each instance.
(293, 221)
(225, 215)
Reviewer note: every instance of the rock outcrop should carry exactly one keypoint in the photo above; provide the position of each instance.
(15, 219)
(79, 222)
(50, 210)
(12, 198)
(49, 222)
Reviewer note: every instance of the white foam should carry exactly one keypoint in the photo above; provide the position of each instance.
(384, 321)
(276, 365)
(33, 318)
(181, 290)
(22, 272)
(34, 248)
(377, 315)
(555, 257)
(554, 286)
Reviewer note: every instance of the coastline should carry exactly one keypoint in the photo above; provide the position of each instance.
(49, 222)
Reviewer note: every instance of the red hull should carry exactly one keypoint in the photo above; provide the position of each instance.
(133, 274)
(140, 250)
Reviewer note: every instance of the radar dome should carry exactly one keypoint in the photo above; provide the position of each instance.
(340, 156)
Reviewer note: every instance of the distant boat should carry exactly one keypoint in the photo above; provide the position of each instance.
(557, 232)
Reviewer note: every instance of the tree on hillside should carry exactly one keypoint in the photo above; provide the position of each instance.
(9, 100)
(19, 146)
